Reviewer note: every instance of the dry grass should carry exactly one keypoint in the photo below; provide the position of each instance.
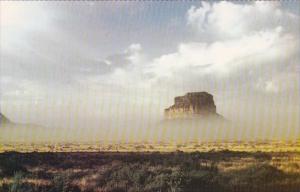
(212, 170)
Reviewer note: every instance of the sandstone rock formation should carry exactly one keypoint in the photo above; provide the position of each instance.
(194, 104)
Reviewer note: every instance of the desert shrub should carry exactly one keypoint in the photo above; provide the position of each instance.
(18, 184)
(134, 175)
(177, 181)
(138, 177)
(169, 181)
(294, 166)
(117, 186)
(10, 165)
(205, 178)
(258, 177)
(42, 174)
(4, 187)
(63, 183)
(149, 172)
(258, 173)
(262, 156)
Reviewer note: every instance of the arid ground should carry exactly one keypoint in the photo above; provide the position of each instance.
(217, 169)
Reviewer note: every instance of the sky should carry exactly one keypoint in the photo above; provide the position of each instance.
(106, 70)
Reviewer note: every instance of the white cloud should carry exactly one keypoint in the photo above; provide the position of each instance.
(268, 86)
(271, 87)
(247, 40)
(107, 62)
(134, 53)
(17, 19)
(224, 57)
(260, 50)
(128, 73)
(226, 19)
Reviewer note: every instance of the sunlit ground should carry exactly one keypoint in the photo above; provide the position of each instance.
(249, 146)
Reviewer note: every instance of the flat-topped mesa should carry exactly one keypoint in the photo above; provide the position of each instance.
(192, 104)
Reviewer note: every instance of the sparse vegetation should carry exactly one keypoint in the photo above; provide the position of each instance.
(18, 184)
(11, 165)
(166, 172)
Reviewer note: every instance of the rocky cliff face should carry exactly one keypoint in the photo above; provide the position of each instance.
(194, 104)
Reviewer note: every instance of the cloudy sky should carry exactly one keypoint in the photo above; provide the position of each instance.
(108, 69)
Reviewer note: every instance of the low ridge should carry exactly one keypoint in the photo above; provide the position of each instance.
(3, 119)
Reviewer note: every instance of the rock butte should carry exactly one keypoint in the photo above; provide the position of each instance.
(193, 104)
